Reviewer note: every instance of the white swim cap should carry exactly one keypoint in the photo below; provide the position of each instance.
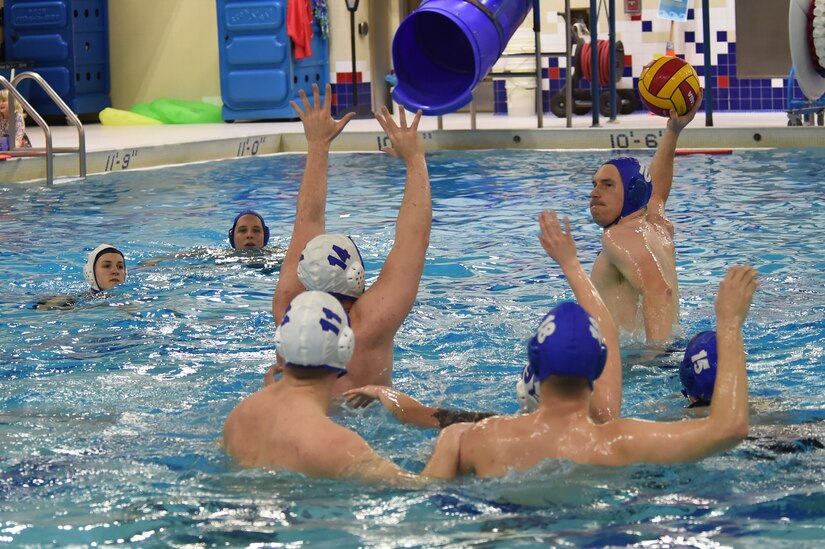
(94, 255)
(527, 391)
(332, 263)
(315, 332)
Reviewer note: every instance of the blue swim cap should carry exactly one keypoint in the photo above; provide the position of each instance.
(567, 343)
(636, 183)
(698, 368)
(235, 222)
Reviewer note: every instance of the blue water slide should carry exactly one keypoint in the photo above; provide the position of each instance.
(442, 50)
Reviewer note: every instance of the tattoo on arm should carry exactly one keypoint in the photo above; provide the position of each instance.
(447, 417)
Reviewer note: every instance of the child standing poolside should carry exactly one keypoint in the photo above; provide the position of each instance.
(21, 140)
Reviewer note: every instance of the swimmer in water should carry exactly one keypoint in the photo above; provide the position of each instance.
(567, 356)
(286, 424)
(605, 402)
(697, 373)
(248, 232)
(316, 260)
(635, 272)
(105, 268)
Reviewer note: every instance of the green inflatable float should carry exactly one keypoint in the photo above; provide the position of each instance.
(163, 111)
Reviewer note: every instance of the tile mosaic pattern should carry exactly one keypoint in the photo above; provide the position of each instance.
(342, 92)
(499, 96)
(643, 38)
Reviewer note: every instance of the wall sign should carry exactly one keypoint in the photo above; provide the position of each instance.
(633, 7)
(673, 10)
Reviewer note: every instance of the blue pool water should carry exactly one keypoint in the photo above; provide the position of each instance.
(110, 413)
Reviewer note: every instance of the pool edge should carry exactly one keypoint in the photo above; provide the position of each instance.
(33, 169)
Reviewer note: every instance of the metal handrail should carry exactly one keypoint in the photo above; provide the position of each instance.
(15, 95)
(70, 115)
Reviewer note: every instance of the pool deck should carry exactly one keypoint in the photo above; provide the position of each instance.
(118, 148)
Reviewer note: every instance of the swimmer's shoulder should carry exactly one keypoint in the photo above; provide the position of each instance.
(56, 303)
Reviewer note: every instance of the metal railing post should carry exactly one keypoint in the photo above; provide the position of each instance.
(70, 116)
(594, 61)
(537, 36)
(708, 74)
(15, 95)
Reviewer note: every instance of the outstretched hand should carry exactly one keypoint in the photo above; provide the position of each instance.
(678, 123)
(733, 300)
(319, 126)
(558, 244)
(362, 396)
(406, 143)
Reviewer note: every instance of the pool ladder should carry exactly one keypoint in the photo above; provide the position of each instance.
(49, 150)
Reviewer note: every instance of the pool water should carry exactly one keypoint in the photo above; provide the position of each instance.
(110, 412)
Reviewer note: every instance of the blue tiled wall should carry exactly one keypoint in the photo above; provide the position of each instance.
(342, 96)
(729, 92)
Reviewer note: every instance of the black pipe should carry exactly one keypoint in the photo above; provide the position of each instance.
(708, 74)
(594, 61)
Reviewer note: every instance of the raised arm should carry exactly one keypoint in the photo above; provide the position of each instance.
(727, 424)
(606, 401)
(661, 168)
(729, 405)
(390, 298)
(320, 130)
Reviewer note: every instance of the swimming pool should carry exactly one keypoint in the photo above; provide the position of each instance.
(109, 413)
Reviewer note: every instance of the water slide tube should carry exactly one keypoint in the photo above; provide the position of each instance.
(442, 50)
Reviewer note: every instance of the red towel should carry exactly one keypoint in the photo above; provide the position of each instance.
(299, 27)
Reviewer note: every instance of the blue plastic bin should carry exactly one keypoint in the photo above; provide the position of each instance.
(67, 42)
(259, 76)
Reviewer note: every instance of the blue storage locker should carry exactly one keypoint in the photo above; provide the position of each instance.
(67, 41)
(259, 76)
